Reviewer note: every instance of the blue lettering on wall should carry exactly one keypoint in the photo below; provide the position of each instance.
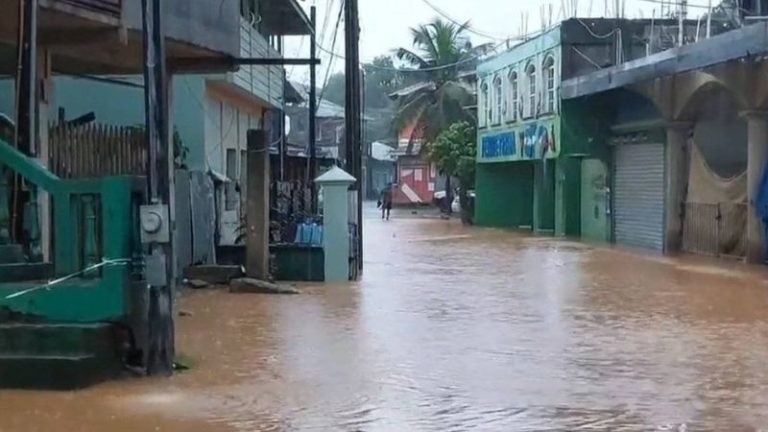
(498, 146)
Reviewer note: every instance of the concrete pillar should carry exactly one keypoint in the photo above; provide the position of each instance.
(336, 241)
(45, 104)
(675, 160)
(757, 153)
(257, 206)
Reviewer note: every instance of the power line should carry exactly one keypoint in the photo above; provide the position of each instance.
(594, 35)
(433, 68)
(671, 3)
(330, 61)
(466, 25)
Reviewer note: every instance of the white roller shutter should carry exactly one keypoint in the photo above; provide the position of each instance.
(638, 188)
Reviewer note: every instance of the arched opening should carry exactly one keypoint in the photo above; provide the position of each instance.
(485, 105)
(549, 84)
(513, 97)
(498, 98)
(719, 132)
(530, 109)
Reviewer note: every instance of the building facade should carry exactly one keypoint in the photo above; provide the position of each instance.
(211, 114)
(541, 163)
(685, 134)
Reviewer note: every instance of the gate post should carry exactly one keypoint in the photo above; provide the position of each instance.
(677, 136)
(336, 239)
(257, 206)
(757, 152)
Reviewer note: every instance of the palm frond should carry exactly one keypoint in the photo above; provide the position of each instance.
(411, 57)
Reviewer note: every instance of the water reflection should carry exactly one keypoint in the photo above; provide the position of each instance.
(456, 329)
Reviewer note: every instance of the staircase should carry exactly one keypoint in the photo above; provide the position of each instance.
(15, 268)
(57, 356)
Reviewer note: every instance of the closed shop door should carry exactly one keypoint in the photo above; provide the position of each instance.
(594, 200)
(639, 195)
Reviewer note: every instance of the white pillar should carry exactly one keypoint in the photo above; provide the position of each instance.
(335, 185)
(757, 152)
(677, 137)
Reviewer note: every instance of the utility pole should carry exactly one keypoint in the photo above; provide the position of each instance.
(313, 107)
(26, 108)
(156, 214)
(353, 109)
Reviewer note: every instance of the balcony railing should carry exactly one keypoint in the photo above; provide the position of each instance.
(110, 7)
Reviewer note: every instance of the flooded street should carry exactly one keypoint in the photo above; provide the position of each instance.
(457, 329)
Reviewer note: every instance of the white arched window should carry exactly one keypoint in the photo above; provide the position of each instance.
(513, 97)
(498, 100)
(483, 115)
(530, 73)
(549, 84)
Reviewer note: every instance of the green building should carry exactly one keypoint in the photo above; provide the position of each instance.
(542, 164)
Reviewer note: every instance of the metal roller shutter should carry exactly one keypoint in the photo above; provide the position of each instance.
(639, 195)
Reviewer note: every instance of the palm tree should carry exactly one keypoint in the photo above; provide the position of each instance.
(443, 55)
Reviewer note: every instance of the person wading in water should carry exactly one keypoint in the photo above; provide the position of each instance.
(385, 202)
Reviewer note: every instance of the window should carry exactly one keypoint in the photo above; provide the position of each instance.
(243, 179)
(530, 72)
(230, 194)
(513, 98)
(549, 82)
(485, 105)
(498, 99)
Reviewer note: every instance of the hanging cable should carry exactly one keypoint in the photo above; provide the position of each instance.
(331, 60)
(465, 25)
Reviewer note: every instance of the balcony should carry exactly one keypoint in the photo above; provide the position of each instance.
(105, 36)
(263, 82)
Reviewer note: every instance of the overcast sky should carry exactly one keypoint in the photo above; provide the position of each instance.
(385, 23)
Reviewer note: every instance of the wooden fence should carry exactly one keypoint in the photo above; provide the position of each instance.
(96, 150)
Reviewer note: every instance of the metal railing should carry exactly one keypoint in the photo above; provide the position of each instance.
(715, 229)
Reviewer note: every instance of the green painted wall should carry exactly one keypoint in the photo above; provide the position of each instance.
(584, 131)
(504, 194)
(568, 197)
(544, 197)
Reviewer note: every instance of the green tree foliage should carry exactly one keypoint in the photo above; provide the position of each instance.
(380, 79)
(454, 152)
(443, 54)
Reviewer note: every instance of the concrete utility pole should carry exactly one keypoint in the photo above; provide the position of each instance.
(313, 106)
(257, 207)
(157, 215)
(26, 106)
(353, 135)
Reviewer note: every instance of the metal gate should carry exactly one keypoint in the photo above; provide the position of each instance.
(715, 229)
(638, 202)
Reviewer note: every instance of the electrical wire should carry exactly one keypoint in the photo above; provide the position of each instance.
(466, 25)
(595, 35)
(427, 69)
(331, 60)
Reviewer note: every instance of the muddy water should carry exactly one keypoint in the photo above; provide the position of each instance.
(455, 330)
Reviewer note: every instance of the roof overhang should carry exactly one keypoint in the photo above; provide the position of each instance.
(285, 18)
(745, 42)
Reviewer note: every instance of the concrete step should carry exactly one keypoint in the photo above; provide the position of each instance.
(12, 254)
(54, 372)
(20, 272)
(57, 356)
(58, 339)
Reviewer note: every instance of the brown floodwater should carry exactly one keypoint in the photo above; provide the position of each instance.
(457, 329)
